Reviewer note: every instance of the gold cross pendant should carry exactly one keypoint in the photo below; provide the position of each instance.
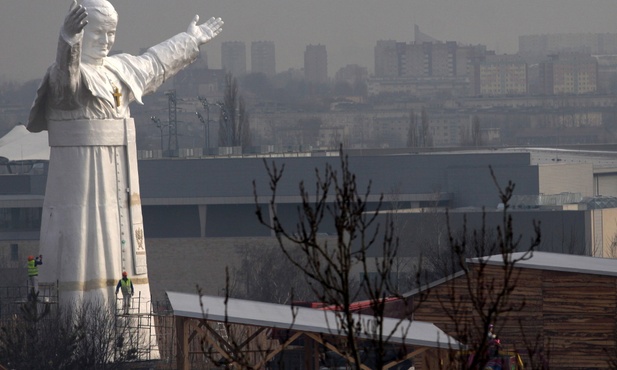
(117, 94)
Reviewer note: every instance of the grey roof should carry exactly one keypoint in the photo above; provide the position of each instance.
(540, 261)
(239, 311)
(562, 262)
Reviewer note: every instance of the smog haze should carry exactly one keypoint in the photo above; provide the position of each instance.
(348, 28)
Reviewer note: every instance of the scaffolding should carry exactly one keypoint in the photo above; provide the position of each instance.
(12, 298)
(134, 329)
(146, 334)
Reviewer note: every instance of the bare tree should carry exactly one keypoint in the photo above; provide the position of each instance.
(412, 131)
(472, 135)
(476, 134)
(234, 122)
(426, 138)
(333, 268)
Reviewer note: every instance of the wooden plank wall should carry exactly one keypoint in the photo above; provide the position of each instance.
(579, 318)
(571, 315)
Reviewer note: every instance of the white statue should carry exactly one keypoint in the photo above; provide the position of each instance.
(92, 226)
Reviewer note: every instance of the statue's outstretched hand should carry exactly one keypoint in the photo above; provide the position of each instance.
(75, 21)
(206, 31)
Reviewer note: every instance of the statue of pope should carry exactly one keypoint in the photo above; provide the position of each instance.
(92, 227)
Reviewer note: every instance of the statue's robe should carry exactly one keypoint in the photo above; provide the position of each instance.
(92, 226)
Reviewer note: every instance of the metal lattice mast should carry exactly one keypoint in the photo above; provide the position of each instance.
(173, 122)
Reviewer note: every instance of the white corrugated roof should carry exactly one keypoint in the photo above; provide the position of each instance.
(19, 144)
(562, 262)
(239, 311)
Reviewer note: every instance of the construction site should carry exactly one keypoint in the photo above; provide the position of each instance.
(144, 338)
(148, 339)
(192, 331)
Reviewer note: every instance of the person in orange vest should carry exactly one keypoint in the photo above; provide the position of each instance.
(126, 285)
(33, 275)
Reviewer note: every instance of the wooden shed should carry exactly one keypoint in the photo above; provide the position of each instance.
(274, 328)
(570, 307)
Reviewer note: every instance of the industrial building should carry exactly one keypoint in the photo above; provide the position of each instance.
(199, 212)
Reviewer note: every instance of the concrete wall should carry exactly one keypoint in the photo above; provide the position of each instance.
(571, 178)
(608, 223)
(605, 184)
(182, 264)
(473, 186)
(561, 231)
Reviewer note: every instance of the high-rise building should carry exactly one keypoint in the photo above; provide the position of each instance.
(351, 80)
(539, 46)
(316, 64)
(607, 73)
(465, 56)
(569, 73)
(442, 58)
(427, 59)
(499, 75)
(351, 74)
(386, 59)
(263, 58)
(233, 57)
(413, 60)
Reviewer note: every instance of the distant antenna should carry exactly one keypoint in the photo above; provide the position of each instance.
(420, 37)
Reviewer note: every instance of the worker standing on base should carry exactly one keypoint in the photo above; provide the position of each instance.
(33, 275)
(126, 285)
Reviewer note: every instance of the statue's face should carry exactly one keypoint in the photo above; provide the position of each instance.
(99, 36)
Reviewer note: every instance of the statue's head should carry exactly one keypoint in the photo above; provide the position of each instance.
(100, 33)
(101, 7)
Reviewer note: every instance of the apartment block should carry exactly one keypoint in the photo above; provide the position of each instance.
(414, 61)
(539, 46)
(442, 58)
(569, 73)
(316, 64)
(233, 57)
(386, 58)
(351, 74)
(499, 75)
(426, 59)
(263, 58)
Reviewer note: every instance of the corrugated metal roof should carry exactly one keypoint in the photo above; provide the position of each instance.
(239, 311)
(541, 261)
(562, 262)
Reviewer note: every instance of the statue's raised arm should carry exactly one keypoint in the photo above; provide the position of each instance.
(75, 20)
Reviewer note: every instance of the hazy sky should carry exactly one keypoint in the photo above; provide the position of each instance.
(348, 28)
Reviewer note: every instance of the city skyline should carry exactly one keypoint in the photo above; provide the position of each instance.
(348, 29)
